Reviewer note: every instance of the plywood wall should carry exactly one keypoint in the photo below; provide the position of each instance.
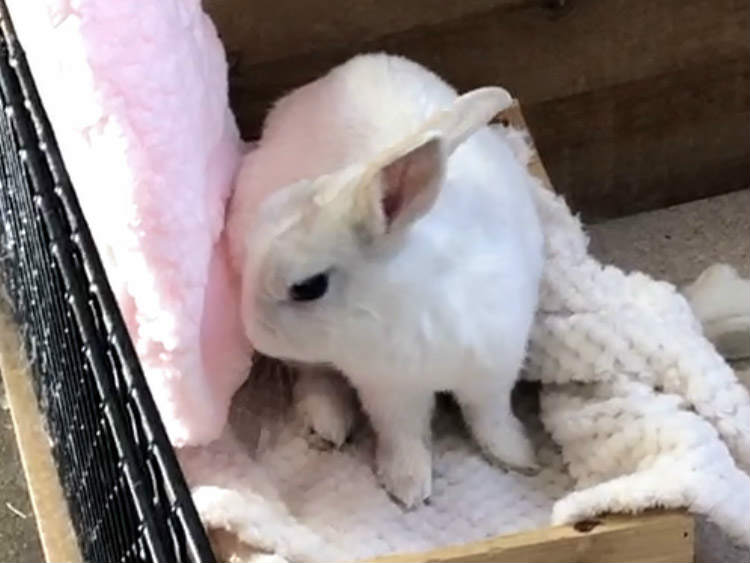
(634, 104)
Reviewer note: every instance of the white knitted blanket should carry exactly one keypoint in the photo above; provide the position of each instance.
(640, 409)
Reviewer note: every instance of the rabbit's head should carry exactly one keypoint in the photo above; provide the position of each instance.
(317, 273)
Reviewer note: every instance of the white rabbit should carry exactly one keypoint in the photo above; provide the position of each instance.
(382, 228)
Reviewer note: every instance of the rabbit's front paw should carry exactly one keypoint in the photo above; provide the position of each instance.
(328, 421)
(327, 408)
(406, 472)
(328, 426)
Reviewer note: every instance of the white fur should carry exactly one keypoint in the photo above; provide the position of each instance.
(443, 303)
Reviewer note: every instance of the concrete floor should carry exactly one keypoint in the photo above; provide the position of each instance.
(678, 243)
(675, 244)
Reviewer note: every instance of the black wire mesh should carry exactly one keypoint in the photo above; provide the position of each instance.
(127, 497)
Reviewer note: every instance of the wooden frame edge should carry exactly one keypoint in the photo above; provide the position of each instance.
(53, 521)
(652, 537)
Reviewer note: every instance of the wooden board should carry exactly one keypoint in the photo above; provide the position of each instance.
(634, 104)
(50, 509)
(264, 31)
(647, 144)
(649, 538)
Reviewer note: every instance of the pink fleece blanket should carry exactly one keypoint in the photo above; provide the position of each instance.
(137, 95)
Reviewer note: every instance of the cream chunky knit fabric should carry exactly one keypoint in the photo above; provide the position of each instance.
(645, 410)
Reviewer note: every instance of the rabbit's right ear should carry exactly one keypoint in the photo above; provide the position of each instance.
(402, 189)
(402, 184)
(468, 113)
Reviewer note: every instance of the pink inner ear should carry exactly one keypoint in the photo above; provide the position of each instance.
(408, 179)
(391, 204)
(393, 198)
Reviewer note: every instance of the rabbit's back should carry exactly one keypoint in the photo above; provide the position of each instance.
(351, 114)
(357, 110)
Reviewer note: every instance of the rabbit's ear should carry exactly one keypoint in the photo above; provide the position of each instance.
(468, 113)
(403, 189)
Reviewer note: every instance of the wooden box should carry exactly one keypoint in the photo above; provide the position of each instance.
(649, 538)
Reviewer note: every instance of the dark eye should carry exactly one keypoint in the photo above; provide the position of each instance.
(310, 289)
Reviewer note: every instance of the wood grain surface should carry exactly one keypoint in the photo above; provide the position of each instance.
(634, 104)
(659, 537)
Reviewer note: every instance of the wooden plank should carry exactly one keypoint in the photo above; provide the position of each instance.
(575, 70)
(52, 517)
(650, 538)
(265, 31)
(647, 144)
(522, 46)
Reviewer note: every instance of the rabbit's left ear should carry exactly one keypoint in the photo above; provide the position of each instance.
(467, 114)
(403, 189)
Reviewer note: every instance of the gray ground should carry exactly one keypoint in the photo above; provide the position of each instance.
(674, 244)
(18, 539)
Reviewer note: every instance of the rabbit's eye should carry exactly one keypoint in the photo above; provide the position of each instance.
(310, 289)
